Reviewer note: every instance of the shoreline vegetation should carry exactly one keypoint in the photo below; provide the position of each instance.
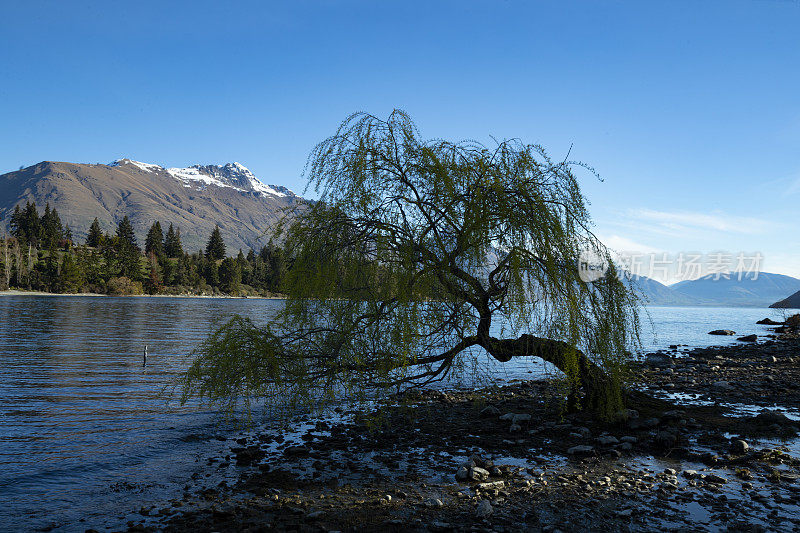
(40, 256)
(20, 292)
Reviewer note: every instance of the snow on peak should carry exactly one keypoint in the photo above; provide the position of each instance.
(232, 175)
(147, 167)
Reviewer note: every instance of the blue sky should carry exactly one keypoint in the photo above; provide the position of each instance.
(689, 110)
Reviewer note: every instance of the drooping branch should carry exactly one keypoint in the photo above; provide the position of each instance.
(416, 254)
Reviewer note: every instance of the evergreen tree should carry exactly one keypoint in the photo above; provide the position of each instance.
(215, 249)
(71, 276)
(153, 282)
(155, 240)
(5, 258)
(212, 273)
(172, 242)
(68, 235)
(230, 275)
(33, 226)
(17, 224)
(125, 233)
(128, 251)
(181, 274)
(277, 270)
(51, 228)
(95, 236)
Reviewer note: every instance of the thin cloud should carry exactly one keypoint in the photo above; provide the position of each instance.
(688, 220)
(621, 244)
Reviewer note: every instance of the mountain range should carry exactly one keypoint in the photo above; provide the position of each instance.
(195, 199)
(750, 290)
(198, 197)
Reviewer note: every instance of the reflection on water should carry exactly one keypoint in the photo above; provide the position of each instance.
(86, 435)
(80, 415)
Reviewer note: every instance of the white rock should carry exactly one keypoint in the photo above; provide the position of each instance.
(433, 502)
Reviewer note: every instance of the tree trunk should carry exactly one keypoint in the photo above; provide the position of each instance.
(593, 388)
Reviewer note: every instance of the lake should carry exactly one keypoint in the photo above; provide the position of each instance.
(87, 437)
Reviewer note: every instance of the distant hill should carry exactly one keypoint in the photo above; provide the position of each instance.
(653, 292)
(751, 290)
(194, 199)
(792, 302)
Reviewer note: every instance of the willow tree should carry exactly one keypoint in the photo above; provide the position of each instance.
(420, 258)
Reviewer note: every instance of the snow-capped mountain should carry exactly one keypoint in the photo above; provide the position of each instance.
(234, 175)
(194, 198)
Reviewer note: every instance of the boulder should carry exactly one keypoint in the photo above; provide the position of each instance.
(748, 338)
(739, 447)
(484, 509)
(516, 418)
(607, 440)
(477, 473)
(658, 359)
(722, 332)
(491, 485)
(769, 418)
(520, 418)
(716, 479)
(433, 503)
(769, 322)
(581, 449)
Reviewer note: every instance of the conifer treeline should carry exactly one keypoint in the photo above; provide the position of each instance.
(40, 255)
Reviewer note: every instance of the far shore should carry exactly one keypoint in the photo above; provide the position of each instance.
(17, 292)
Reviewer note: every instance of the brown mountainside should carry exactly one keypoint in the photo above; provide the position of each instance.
(792, 302)
(193, 199)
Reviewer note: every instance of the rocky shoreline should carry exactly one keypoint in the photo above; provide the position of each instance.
(718, 451)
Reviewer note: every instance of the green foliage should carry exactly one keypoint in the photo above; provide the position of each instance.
(215, 249)
(230, 275)
(127, 251)
(420, 258)
(154, 280)
(71, 279)
(123, 286)
(212, 273)
(154, 243)
(172, 242)
(37, 232)
(95, 236)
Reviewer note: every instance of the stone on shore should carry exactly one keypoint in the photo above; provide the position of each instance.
(477, 473)
(748, 338)
(739, 447)
(581, 449)
(484, 509)
(722, 332)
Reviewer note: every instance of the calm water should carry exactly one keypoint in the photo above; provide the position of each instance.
(86, 437)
